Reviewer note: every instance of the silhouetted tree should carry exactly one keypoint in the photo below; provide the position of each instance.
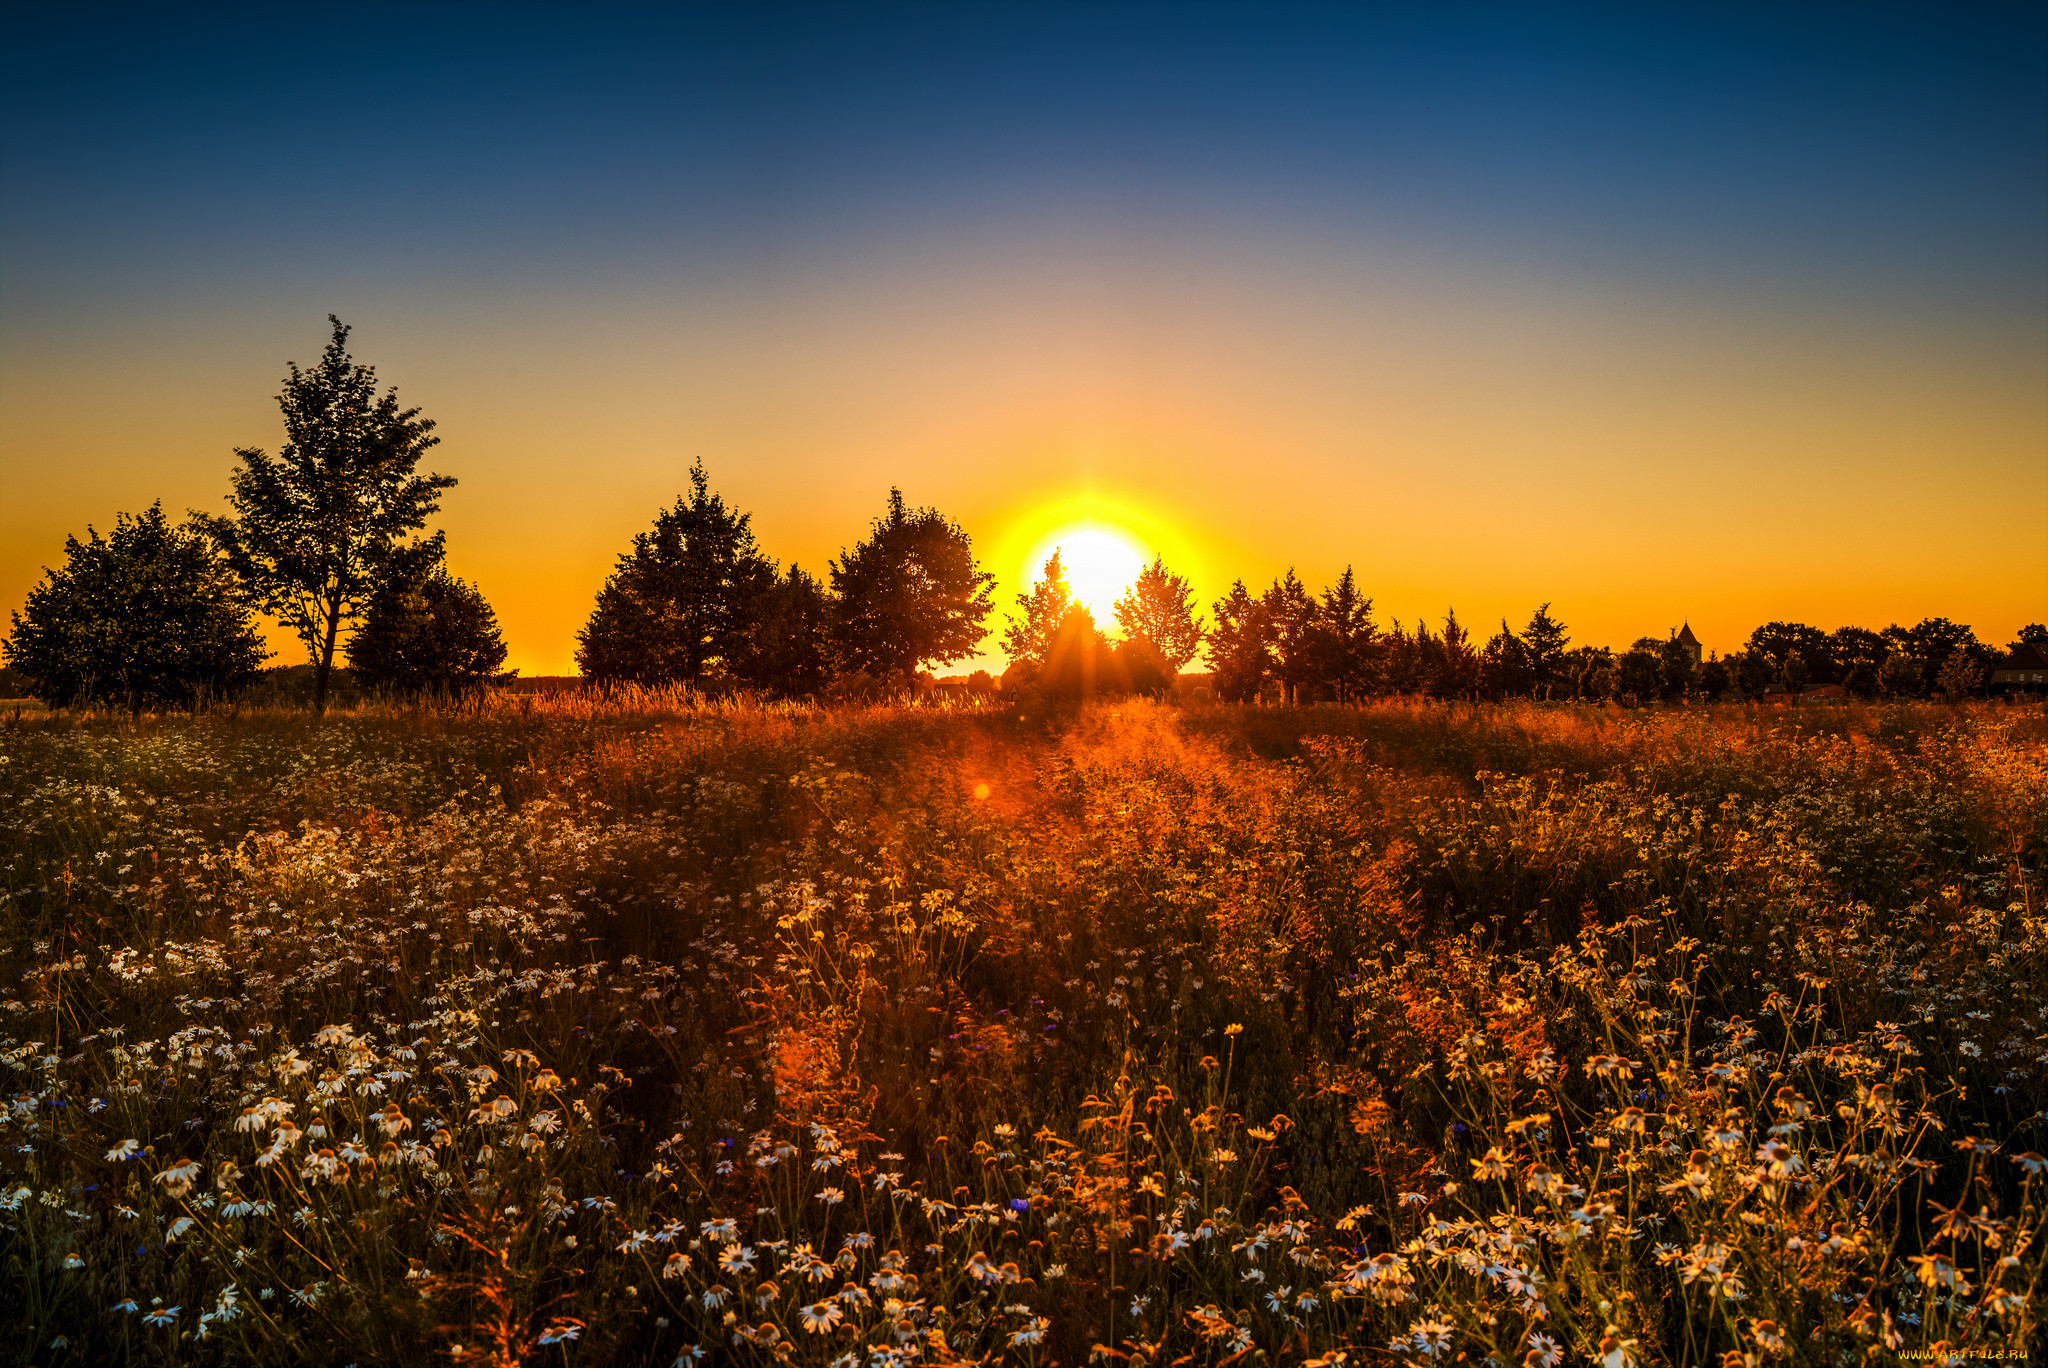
(1045, 609)
(1715, 677)
(1753, 672)
(1960, 675)
(787, 644)
(2033, 634)
(1859, 677)
(1680, 671)
(910, 595)
(147, 617)
(1899, 676)
(1546, 642)
(680, 606)
(1138, 666)
(1456, 672)
(433, 634)
(1504, 666)
(1579, 668)
(1639, 673)
(1849, 644)
(1781, 640)
(1159, 607)
(1793, 675)
(1345, 640)
(1596, 679)
(1930, 642)
(1239, 653)
(1291, 630)
(320, 527)
(1409, 659)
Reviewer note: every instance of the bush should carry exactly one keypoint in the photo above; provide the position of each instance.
(436, 634)
(146, 618)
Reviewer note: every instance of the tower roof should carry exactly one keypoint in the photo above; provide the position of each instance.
(1685, 635)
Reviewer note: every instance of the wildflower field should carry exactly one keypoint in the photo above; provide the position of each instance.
(553, 1030)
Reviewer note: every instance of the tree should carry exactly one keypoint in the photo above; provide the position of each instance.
(1960, 675)
(1793, 674)
(680, 607)
(1588, 670)
(1078, 662)
(1680, 670)
(1858, 654)
(2033, 634)
(1345, 648)
(1899, 676)
(1239, 653)
(1781, 640)
(1755, 673)
(1716, 678)
(788, 641)
(910, 595)
(1137, 665)
(1045, 608)
(321, 526)
(147, 617)
(1159, 608)
(1546, 642)
(1504, 665)
(1291, 631)
(1930, 642)
(1456, 664)
(1405, 657)
(1639, 674)
(433, 634)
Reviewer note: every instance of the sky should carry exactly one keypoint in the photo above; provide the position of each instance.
(1711, 314)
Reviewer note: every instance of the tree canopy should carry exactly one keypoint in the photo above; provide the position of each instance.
(909, 595)
(320, 527)
(681, 605)
(1159, 608)
(433, 634)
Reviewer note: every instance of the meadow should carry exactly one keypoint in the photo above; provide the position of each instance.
(567, 1030)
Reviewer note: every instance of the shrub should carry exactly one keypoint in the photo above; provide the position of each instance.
(433, 634)
(147, 617)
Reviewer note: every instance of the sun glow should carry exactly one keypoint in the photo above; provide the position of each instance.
(1101, 562)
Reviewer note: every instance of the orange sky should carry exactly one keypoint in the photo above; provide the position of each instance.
(1463, 435)
(1697, 313)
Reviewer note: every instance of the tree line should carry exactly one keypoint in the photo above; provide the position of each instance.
(329, 537)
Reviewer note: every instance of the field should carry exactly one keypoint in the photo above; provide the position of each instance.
(552, 1031)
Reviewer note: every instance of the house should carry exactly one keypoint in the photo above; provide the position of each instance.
(2024, 667)
(1690, 642)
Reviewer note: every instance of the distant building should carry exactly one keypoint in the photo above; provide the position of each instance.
(2026, 667)
(1690, 642)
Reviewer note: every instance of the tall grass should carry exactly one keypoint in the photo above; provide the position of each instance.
(646, 1029)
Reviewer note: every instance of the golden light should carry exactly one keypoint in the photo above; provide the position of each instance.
(1101, 561)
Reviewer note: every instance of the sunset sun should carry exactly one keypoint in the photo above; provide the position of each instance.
(1100, 562)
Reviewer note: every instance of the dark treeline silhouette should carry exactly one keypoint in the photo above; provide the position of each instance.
(1289, 645)
(695, 601)
(329, 536)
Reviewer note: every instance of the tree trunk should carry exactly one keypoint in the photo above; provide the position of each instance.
(325, 665)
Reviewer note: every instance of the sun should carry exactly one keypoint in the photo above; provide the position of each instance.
(1101, 562)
